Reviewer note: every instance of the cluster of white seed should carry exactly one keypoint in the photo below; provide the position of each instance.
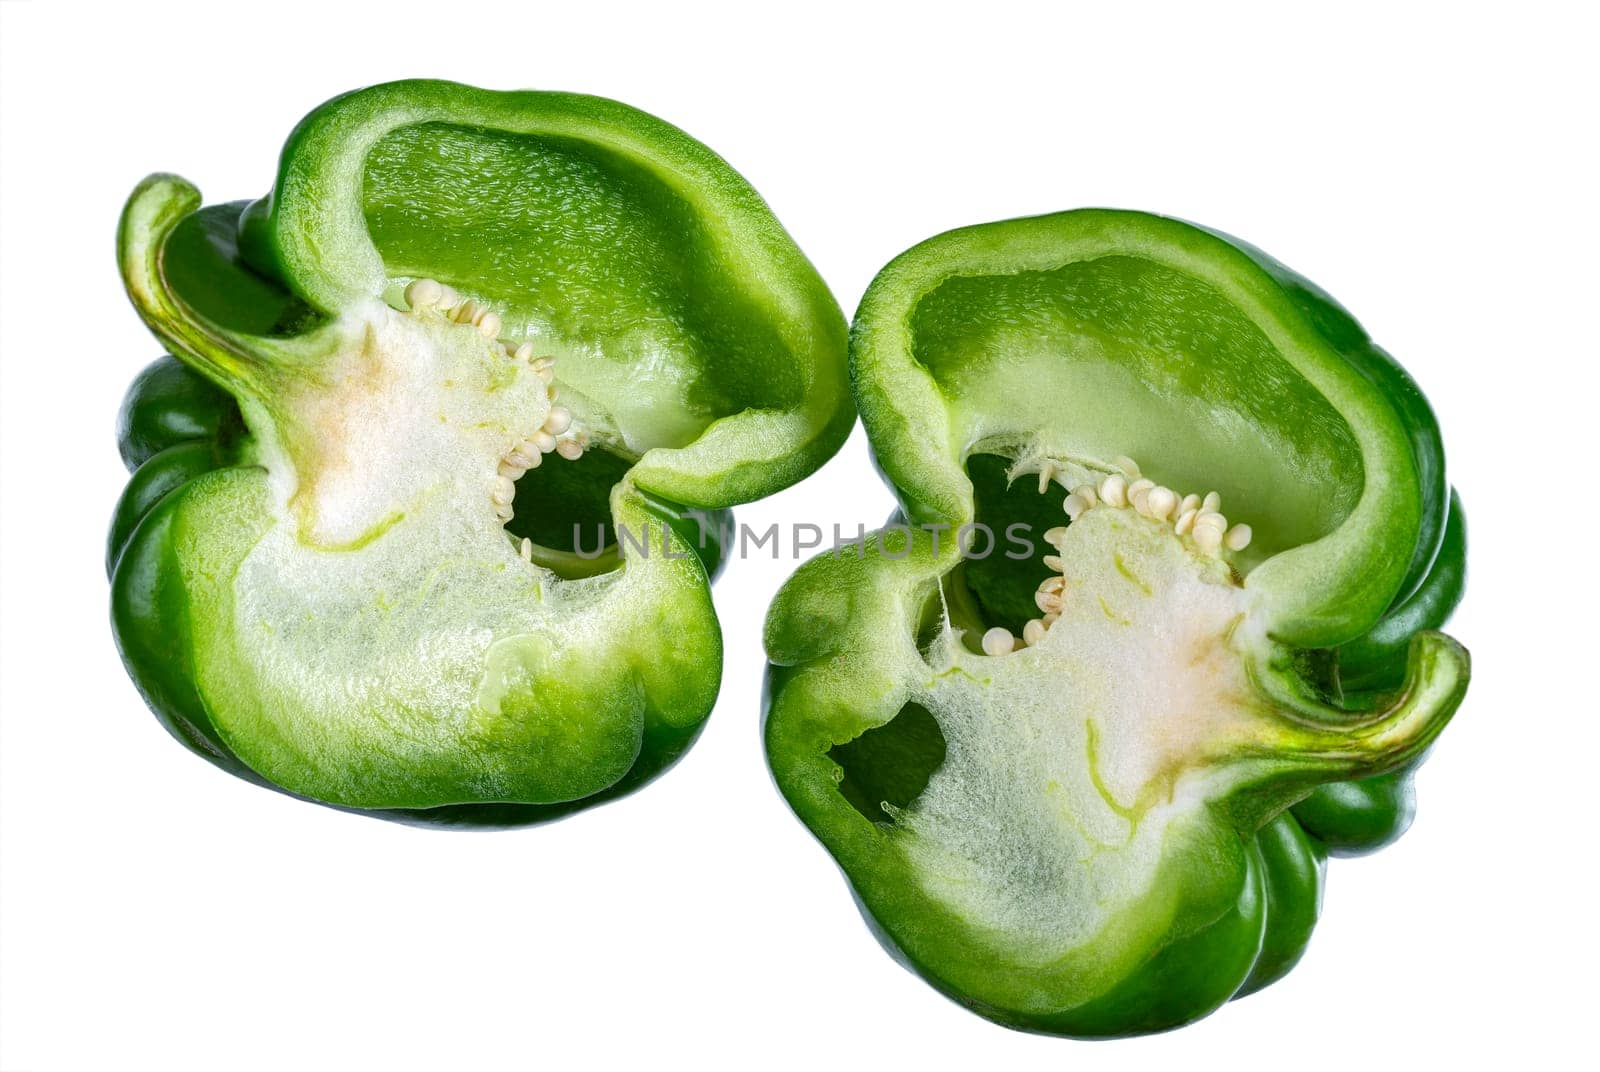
(432, 294)
(1198, 517)
(559, 435)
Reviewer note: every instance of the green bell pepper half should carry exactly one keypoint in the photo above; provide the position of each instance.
(1079, 743)
(366, 557)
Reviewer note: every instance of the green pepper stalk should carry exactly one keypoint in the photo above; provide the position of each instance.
(1089, 788)
(462, 322)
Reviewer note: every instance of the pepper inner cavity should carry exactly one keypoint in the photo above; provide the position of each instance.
(1004, 494)
(564, 513)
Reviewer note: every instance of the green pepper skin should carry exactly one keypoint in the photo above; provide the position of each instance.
(168, 404)
(990, 803)
(1360, 817)
(1294, 865)
(150, 619)
(303, 360)
(162, 473)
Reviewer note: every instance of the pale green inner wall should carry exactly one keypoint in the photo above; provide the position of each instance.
(1123, 356)
(595, 255)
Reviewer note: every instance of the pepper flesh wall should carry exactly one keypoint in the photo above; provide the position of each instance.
(1091, 792)
(463, 323)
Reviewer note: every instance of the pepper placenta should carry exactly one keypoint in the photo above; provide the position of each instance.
(1082, 759)
(419, 502)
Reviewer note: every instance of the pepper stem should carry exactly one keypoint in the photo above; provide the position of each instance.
(1324, 743)
(154, 209)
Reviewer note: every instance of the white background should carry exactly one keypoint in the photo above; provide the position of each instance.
(1432, 169)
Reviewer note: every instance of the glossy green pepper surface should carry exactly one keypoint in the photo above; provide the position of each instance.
(418, 514)
(1158, 634)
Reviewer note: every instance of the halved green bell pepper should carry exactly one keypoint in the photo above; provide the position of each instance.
(1079, 742)
(367, 557)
